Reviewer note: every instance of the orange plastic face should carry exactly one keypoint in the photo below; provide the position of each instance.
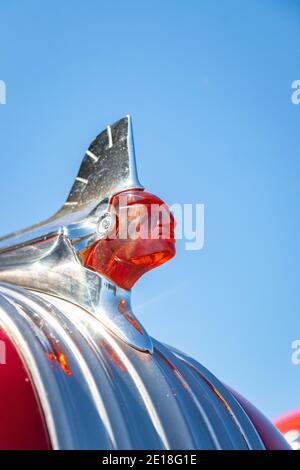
(141, 239)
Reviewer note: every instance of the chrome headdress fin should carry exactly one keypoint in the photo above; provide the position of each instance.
(108, 167)
(45, 257)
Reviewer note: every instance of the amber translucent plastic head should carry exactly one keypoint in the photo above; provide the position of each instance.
(141, 238)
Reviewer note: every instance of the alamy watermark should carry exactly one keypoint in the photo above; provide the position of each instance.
(295, 97)
(295, 357)
(2, 353)
(2, 92)
(189, 225)
(139, 216)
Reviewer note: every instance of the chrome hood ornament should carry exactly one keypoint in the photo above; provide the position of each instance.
(66, 319)
(57, 256)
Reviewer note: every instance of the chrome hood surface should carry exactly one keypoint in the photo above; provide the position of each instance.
(97, 392)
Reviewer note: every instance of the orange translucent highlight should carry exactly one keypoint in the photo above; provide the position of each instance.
(122, 307)
(62, 361)
(149, 242)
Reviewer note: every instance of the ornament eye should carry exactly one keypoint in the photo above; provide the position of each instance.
(105, 224)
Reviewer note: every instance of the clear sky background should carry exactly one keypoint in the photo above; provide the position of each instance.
(208, 84)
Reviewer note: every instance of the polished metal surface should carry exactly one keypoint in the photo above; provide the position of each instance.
(54, 268)
(46, 257)
(96, 392)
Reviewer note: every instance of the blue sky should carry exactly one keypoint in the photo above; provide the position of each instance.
(208, 84)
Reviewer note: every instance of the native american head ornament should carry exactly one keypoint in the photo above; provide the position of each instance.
(104, 238)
